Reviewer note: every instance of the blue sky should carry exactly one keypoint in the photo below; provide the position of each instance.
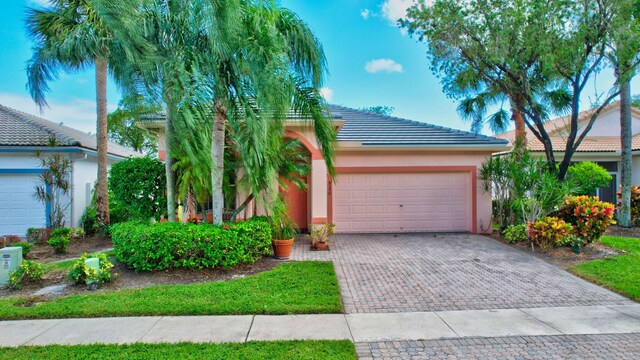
(371, 62)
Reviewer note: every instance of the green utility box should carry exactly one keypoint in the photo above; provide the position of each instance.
(10, 260)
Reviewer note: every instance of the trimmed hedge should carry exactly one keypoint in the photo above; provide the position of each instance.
(162, 246)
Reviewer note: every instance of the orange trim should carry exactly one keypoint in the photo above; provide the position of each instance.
(318, 221)
(315, 153)
(472, 170)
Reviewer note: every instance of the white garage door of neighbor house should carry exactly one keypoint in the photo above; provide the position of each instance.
(406, 202)
(18, 209)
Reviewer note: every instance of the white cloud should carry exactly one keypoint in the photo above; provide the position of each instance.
(383, 65)
(365, 13)
(326, 93)
(77, 113)
(393, 10)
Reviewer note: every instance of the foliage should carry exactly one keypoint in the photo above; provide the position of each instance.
(123, 128)
(162, 246)
(305, 287)
(76, 233)
(138, 185)
(257, 350)
(516, 233)
(587, 177)
(28, 271)
(379, 109)
(89, 220)
(282, 226)
(26, 247)
(538, 55)
(60, 239)
(523, 187)
(54, 189)
(38, 235)
(550, 232)
(618, 273)
(589, 216)
(635, 204)
(321, 233)
(80, 273)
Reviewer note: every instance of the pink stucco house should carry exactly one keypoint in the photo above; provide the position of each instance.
(393, 175)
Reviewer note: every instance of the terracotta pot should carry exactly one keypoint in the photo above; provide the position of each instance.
(321, 245)
(282, 248)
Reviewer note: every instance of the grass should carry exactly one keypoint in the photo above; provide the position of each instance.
(251, 350)
(619, 273)
(290, 288)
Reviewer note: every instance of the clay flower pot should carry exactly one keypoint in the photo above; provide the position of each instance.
(282, 248)
(321, 245)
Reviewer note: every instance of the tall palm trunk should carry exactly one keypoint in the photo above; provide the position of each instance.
(626, 136)
(102, 195)
(168, 165)
(518, 119)
(217, 157)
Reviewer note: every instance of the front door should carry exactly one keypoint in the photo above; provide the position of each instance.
(297, 205)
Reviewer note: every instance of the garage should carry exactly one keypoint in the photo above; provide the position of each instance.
(403, 202)
(18, 208)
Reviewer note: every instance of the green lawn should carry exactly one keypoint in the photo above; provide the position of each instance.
(619, 273)
(337, 350)
(290, 288)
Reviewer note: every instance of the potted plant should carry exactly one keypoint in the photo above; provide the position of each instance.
(320, 235)
(283, 235)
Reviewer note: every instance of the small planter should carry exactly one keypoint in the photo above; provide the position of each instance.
(282, 248)
(321, 246)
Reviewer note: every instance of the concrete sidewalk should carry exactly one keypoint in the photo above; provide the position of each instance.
(359, 328)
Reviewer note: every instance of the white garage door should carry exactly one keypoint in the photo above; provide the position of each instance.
(406, 202)
(18, 209)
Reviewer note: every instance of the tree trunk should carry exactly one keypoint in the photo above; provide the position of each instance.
(521, 132)
(102, 191)
(217, 163)
(237, 211)
(626, 136)
(168, 165)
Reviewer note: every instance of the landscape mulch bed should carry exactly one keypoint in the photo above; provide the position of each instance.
(565, 258)
(125, 278)
(43, 252)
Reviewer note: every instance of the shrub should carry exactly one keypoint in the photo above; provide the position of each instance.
(516, 233)
(32, 235)
(26, 247)
(80, 273)
(550, 232)
(589, 216)
(137, 186)
(10, 239)
(76, 233)
(162, 246)
(635, 204)
(59, 244)
(588, 176)
(28, 271)
(61, 232)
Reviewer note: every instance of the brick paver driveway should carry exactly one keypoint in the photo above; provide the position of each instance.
(426, 272)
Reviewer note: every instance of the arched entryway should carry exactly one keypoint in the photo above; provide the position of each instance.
(298, 199)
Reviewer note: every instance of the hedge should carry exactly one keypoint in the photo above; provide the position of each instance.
(163, 246)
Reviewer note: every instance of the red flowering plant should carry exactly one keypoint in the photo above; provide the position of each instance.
(635, 204)
(589, 216)
(550, 232)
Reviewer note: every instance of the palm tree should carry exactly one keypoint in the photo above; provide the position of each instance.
(277, 65)
(71, 36)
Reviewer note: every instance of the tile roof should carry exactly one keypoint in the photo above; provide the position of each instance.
(21, 129)
(373, 129)
(589, 144)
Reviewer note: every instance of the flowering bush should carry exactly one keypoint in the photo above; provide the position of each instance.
(28, 271)
(635, 204)
(80, 272)
(550, 232)
(590, 217)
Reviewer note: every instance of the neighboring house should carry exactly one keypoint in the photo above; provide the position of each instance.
(392, 175)
(21, 135)
(601, 145)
